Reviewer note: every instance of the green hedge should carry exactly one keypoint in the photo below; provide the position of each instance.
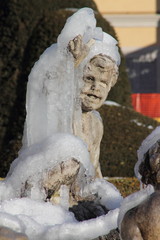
(124, 130)
(59, 4)
(27, 28)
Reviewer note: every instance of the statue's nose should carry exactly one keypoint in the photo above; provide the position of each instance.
(94, 85)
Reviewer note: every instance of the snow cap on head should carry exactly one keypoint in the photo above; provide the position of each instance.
(147, 143)
(83, 23)
(80, 22)
(106, 46)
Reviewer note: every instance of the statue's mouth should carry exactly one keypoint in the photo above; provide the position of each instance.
(93, 96)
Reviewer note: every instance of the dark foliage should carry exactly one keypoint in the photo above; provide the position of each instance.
(27, 28)
(124, 130)
(59, 4)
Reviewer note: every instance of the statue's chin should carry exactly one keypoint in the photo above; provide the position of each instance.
(89, 107)
(92, 102)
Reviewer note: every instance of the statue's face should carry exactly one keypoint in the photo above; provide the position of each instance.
(100, 74)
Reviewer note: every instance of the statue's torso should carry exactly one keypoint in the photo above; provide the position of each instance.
(91, 133)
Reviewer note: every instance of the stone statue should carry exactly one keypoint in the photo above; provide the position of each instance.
(142, 222)
(92, 58)
(99, 75)
(57, 167)
(66, 85)
(9, 234)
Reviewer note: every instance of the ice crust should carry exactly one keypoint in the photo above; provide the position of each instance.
(34, 161)
(52, 104)
(108, 195)
(148, 142)
(48, 111)
(46, 221)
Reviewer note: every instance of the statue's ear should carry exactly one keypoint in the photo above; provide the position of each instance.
(158, 142)
(114, 75)
(158, 177)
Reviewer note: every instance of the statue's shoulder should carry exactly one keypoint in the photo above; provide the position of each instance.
(96, 115)
(93, 118)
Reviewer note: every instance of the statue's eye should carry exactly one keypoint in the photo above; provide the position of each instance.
(106, 83)
(90, 78)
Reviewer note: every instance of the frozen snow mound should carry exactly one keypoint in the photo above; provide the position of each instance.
(35, 160)
(42, 220)
(39, 220)
(107, 194)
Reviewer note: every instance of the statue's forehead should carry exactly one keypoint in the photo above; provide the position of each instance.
(101, 61)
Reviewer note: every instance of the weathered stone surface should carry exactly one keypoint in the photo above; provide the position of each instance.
(91, 134)
(113, 235)
(99, 75)
(63, 174)
(8, 234)
(143, 221)
(78, 49)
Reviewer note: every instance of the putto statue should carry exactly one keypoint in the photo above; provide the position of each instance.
(142, 220)
(63, 94)
(69, 82)
(99, 75)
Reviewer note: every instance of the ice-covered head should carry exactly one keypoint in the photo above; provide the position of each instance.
(100, 74)
(83, 23)
(104, 44)
(79, 23)
(148, 157)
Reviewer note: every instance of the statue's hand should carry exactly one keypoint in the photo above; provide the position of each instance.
(76, 46)
(78, 49)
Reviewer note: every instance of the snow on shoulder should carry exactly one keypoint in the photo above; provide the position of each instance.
(112, 103)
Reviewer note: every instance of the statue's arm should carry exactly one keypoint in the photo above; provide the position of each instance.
(78, 49)
(129, 227)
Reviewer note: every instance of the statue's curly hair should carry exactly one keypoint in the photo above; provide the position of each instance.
(148, 175)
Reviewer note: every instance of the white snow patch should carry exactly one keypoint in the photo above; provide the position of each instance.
(140, 124)
(112, 103)
(85, 230)
(108, 195)
(35, 160)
